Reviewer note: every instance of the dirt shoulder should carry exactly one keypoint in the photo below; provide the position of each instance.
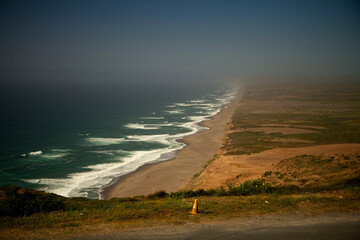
(290, 226)
(266, 226)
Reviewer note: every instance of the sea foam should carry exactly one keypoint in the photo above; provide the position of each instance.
(146, 126)
(141, 126)
(151, 117)
(105, 141)
(90, 182)
(176, 111)
(35, 153)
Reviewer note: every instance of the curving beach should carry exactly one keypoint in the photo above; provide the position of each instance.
(173, 174)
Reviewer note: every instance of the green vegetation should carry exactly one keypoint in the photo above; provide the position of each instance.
(52, 211)
(16, 201)
(205, 166)
(268, 173)
(315, 170)
(254, 142)
(333, 112)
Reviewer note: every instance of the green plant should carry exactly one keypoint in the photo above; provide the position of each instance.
(267, 173)
(20, 202)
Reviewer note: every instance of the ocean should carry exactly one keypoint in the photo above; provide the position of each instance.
(73, 139)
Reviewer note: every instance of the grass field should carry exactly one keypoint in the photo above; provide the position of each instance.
(332, 112)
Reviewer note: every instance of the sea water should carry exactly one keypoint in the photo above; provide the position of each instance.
(75, 141)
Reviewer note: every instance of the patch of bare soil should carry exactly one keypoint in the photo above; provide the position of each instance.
(236, 169)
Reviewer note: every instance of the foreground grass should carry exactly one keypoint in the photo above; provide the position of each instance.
(176, 211)
(114, 215)
(251, 198)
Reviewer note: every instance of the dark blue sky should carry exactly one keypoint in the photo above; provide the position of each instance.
(211, 37)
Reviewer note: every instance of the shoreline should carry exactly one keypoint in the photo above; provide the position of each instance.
(171, 175)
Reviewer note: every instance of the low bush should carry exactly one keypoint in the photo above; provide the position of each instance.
(250, 187)
(16, 201)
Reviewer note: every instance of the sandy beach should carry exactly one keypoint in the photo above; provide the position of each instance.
(173, 174)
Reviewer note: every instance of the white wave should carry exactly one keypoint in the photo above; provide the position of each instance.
(151, 117)
(146, 126)
(148, 138)
(211, 105)
(112, 152)
(166, 124)
(199, 104)
(35, 153)
(138, 138)
(185, 104)
(56, 153)
(105, 141)
(140, 126)
(197, 101)
(49, 155)
(103, 152)
(60, 150)
(78, 184)
(177, 111)
(197, 119)
(204, 107)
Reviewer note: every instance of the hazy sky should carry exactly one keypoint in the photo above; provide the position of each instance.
(211, 37)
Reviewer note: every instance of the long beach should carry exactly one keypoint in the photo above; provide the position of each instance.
(173, 174)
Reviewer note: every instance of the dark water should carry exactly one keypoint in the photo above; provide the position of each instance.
(72, 138)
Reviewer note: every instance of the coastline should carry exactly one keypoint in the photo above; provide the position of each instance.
(171, 175)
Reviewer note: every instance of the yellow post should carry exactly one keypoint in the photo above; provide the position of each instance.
(195, 207)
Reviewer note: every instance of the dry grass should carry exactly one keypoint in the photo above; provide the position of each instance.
(109, 215)
(315, 170)
(322, 115)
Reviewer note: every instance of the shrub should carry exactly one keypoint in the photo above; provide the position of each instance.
(250, 187)
(16, 201)
(354, 182)
(267, 173)
(159, 194)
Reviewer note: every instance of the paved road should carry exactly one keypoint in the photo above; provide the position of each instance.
(289, 227)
